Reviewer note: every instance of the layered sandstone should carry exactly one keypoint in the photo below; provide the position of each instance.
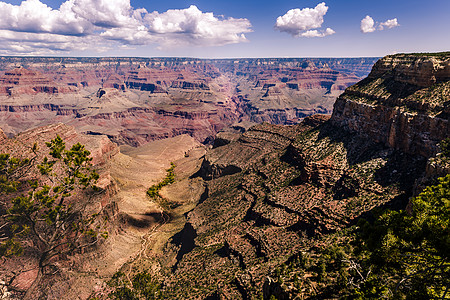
(136, 100)
(20, 81)
(277, 191)
(403, 103)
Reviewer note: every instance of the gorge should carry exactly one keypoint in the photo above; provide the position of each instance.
(136, 100)
(274, 177)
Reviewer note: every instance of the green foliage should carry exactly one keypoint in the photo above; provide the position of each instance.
(432, 54)
(153, 191)
(142, 286)
(43, 217)
(12, 169)
(445, 147)
(401, 255)
(410, 252)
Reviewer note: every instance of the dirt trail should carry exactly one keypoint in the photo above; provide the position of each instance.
(146, 227)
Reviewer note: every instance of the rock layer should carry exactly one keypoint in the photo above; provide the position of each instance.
(404, 103)
(136, 100)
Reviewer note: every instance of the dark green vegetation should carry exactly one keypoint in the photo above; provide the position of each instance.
(399, 255)
(445, 147)
(39, 214)
(410, 251)
(141, 286)
(11, 170)
(153, 191)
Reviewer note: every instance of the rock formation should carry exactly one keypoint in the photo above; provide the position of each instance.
(20, 81)
(163, 97)
(276, 192)
(403, 103)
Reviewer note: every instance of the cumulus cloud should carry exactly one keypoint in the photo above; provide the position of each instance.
(304, 22)
(22, 43)
(98, 23)
(368, 24)
(180, 27)
(316, 33)
(36, 17)
(389, 24)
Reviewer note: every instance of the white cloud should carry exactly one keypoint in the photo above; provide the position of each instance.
(22, 43)
(181, 27)
(368, 24)
(389, 24)
(98, 23)
(36, 17)
(316, 33)
(101, 13)
(304, 22)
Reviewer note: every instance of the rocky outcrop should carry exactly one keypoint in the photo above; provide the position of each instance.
(3, 136)
(101, 148)
(115, 81)
(404, 103)
(136, 100)
(421, 70)
(274, 191)
(145, 79)
(190, 85)
(21, 81)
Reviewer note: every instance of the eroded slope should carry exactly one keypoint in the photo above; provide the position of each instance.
(275, 192)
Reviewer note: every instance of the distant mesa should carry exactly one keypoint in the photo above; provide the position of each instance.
(115, 81)
(23, 81)
(136, 100)
(145, 79)
(190, 85)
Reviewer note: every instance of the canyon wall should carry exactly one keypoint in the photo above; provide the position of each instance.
(277, 194)
(403, 103)
(136, 100)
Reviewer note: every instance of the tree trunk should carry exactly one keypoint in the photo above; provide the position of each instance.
(31, 292)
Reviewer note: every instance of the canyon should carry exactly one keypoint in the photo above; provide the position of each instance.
(271, 171)
(137, 100)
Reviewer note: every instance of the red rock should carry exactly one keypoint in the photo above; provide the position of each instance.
(20, 81)
(403, 103)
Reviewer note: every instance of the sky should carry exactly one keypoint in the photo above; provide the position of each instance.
(223, 29)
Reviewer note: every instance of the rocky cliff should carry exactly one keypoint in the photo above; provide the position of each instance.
(264, 204)
(20, 81)
(403, 103)
(136, 100)
(276, 194)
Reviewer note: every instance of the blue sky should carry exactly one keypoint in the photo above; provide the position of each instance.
(220, 29)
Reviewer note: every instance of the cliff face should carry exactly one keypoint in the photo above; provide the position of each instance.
(277, 192)
(20, 81)
(403, 103)
(136, 100)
